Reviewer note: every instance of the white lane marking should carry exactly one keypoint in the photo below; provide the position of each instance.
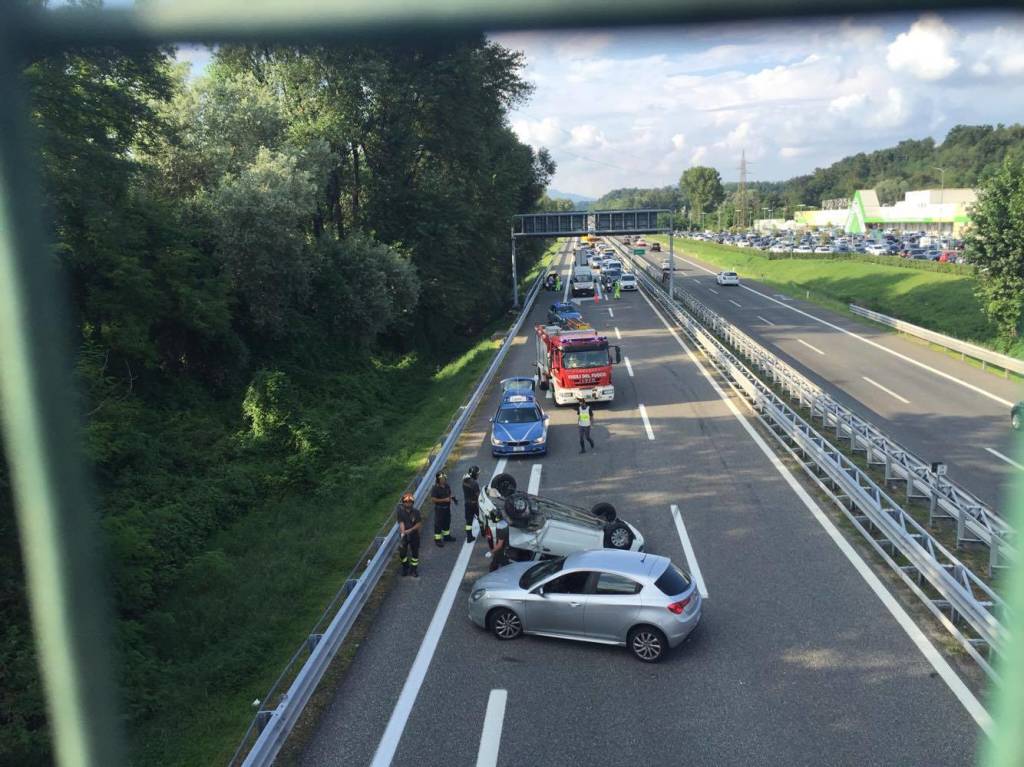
(766, 322)
(535, 478)
(618, 335)
(887, 391)
(713, 291)
(414, 681)
(629, 368)
(735, 304)
(904, 357)
(490, 738)
(812, 348)
(1009, 460)
(611, 313)
(547, 393)
(647, 422)
(691, 558)
(923, 644)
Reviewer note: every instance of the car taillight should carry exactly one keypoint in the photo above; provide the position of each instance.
(678, 607)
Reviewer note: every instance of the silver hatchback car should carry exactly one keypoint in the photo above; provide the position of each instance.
(630, 598)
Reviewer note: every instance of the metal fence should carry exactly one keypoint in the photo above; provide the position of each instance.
(968, 607)
(280, 708)
(980, 353)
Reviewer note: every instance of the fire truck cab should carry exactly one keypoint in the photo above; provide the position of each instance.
(575, 363)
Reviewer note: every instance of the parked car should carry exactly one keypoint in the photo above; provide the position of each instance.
(727, 278)
(519, 426)
(541, 526)
(628, 281)
(1017, 416)
(640, 601)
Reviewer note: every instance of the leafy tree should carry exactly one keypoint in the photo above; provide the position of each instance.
(703, 186)
(995, 245)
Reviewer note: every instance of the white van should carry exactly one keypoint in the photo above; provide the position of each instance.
(582, 282)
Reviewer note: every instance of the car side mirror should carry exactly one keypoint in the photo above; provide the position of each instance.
(539, 591)
(617, 355)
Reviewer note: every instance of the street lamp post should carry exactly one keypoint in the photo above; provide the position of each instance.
(942, 188)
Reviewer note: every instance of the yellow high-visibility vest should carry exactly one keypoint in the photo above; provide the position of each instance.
(584, 416)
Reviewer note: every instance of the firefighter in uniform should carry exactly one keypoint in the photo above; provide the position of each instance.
(409, 523)
(584, 418)
(617, 290)
(441, 495)
(499, 553)
(471, 499)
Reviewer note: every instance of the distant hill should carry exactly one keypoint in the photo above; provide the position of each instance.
(554, 194)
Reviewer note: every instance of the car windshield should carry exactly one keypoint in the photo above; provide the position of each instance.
(539, 572)
(590, 358)
(518, 415)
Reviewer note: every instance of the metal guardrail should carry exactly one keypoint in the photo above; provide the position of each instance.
(964, 595)
(975, 521)
(277, 717)
(985, 356)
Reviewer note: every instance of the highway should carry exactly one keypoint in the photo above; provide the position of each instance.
(802, 657)
(937, 406)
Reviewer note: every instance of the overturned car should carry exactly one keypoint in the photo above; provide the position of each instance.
(540, 527)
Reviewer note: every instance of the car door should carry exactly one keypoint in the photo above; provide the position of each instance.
(612, 607)
(558, 605)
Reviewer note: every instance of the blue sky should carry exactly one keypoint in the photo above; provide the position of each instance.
(636, 108)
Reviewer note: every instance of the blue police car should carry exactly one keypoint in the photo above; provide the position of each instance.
(519, 427)
(562, 314)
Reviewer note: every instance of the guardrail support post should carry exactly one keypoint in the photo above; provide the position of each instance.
(263, 717)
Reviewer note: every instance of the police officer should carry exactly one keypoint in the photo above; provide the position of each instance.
(471, 499)
(584, 419)
(617, 290)
(441, 495)
(409, 523)
(558, 282)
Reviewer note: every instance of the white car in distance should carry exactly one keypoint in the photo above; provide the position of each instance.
(727, 278)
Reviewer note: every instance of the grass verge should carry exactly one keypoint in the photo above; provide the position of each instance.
(938, 301)
(227, 628)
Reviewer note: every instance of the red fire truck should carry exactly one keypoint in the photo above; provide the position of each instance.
(576, 363)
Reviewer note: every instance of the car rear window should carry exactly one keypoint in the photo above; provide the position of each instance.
(673, 581)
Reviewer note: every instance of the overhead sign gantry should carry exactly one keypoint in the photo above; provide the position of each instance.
(583, 223)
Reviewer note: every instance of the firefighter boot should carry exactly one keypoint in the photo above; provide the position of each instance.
(405, 569)
(415, 571)
(470, 537)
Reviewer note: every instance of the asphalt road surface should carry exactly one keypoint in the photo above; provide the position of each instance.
(802, 657)
(938, 407)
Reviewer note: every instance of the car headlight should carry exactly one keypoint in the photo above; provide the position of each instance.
(496, 442)
(541, 439)
(477, 595)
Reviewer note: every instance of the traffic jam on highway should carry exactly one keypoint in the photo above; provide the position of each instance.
(656, 488)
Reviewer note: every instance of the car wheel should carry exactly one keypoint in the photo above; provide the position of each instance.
(618, 536)
(647, 643)
(604, 510)
(505, 484)
(1015, 421)
(505, 624)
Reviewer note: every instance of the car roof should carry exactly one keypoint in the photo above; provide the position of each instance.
(516, 399)
(639, 564)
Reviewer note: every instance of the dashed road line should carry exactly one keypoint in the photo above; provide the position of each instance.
(713, 291)
(812, 348)
(534, 485)
(890, 392)
(618, 335)
(766, 322)
(691, 558)
(629, 368)
(611, 313)
(945, 672)
(490, 738)
(734, 303)
(1006, 458)
(647, 422)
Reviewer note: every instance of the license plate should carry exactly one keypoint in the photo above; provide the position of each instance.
(518, 449)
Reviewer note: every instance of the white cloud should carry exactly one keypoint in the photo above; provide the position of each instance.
(636, 108)
(925, 50)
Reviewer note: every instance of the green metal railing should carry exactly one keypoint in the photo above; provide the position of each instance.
(70, 608)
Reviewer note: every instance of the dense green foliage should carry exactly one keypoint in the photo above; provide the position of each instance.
(996, 245)
(969, 154)
(703, 186)
(267, 267)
